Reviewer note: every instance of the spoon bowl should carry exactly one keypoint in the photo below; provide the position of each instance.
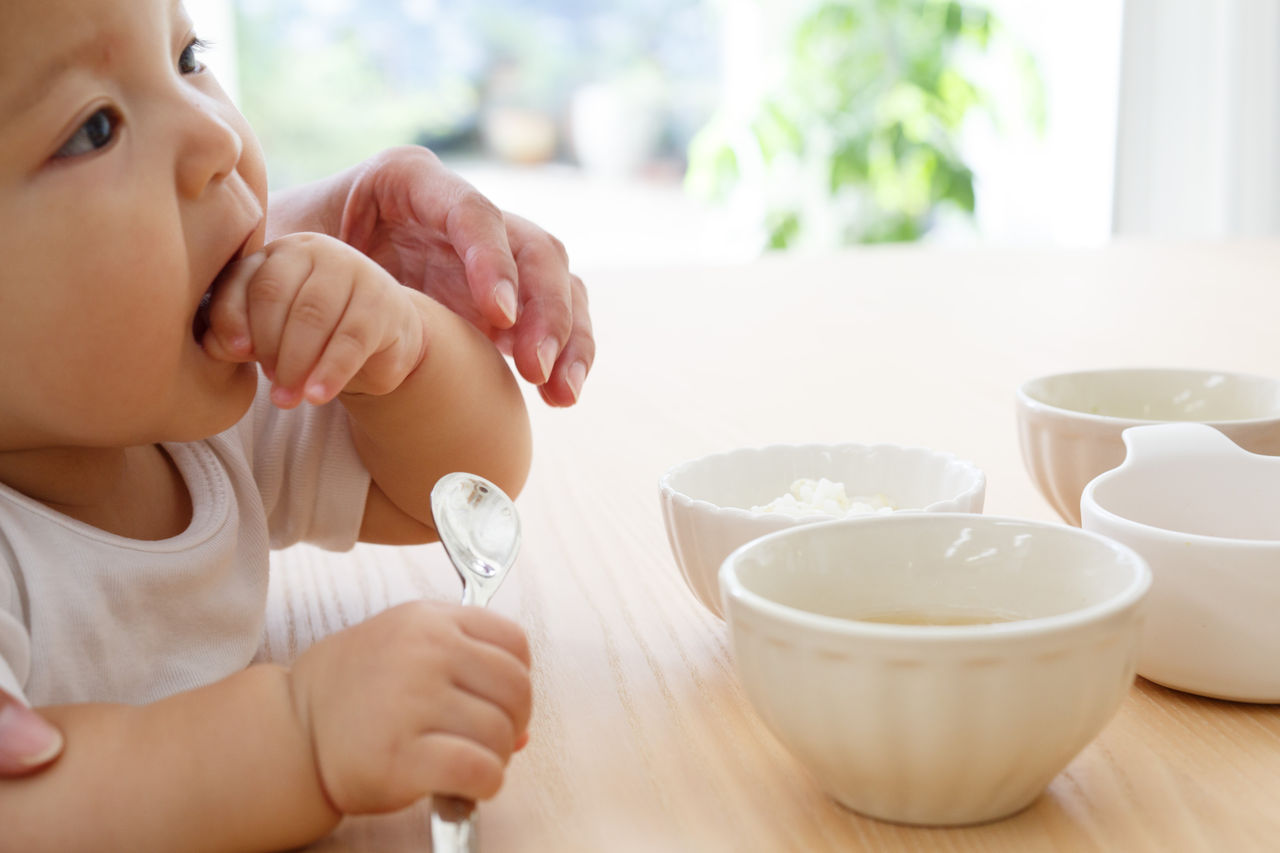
(480, 531)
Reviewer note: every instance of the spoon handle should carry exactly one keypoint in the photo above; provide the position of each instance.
(452, 827)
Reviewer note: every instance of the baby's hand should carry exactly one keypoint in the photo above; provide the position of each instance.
(319, 317)
(423, 698)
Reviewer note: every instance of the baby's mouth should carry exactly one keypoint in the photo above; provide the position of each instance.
(200, 323)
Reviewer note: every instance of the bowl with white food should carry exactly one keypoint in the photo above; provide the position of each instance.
(716, 503)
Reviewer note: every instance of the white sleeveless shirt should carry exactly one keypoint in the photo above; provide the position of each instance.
(86, 615)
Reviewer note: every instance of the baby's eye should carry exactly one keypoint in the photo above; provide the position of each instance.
(97, 132)
(187, 62)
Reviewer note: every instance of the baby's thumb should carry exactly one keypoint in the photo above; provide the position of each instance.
(27, 741)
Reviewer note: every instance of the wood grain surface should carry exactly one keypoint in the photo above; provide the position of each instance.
(642, 739)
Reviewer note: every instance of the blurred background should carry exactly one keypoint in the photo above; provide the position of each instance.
(648, 132)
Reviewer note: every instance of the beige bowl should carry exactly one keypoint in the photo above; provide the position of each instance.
(1069, 424)
(934, 724)
(706, 502)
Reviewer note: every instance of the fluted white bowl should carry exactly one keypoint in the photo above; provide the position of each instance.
(706, 502)
(1069, 424)
(935, 724)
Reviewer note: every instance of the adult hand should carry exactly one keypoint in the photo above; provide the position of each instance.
(434, 232)
(27, 742)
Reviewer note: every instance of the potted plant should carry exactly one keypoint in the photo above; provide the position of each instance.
(859, 140)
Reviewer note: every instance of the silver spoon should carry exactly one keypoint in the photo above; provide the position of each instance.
(480, 531)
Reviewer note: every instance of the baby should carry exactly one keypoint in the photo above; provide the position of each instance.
(184, 384)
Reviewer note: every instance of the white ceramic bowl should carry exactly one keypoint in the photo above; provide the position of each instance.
(706, 502)
(928, 724)
(1069, 424)
(1206, 516)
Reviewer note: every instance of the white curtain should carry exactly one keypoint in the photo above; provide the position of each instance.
(1198, 137)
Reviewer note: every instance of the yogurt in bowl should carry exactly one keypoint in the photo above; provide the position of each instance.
(713, 504)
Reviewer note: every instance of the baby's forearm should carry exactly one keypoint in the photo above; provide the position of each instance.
(459, 410)
(224, 767)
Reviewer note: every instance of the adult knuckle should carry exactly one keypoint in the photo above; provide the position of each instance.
(412, 152)
(584, 344)
(558, 248)
(477, 203)
(579, 290)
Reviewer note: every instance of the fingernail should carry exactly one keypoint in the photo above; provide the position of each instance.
(577, 375)
(26, 738)
(283, 397)
(504, 293)
(317, 393)
(547, 352)
(240, 344)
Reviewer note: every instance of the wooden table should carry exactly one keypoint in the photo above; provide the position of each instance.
(642, 739)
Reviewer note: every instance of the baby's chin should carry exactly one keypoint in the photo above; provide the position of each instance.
(219, 410)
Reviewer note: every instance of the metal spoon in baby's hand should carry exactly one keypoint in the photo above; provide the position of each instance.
(480, 530)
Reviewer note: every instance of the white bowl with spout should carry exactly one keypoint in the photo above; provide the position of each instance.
(1205, 514)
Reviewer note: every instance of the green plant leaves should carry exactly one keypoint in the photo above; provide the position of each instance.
(871, 108)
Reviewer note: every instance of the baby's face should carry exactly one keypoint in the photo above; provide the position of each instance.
(127, 182)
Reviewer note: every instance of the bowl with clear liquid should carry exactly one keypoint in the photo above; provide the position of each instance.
(934, 668)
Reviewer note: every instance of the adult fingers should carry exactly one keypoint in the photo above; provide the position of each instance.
(546, 317)
(574, 362)
(27, 741)
(443, 202)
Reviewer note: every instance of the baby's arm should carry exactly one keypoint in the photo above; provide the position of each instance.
(419, 699)
(426, 392)
(225, 767)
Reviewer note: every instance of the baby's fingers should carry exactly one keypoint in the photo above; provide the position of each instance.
(499, 677)
(357, 336)
(445, 763)
(378, 342)
(227, 337)
(320, 311)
